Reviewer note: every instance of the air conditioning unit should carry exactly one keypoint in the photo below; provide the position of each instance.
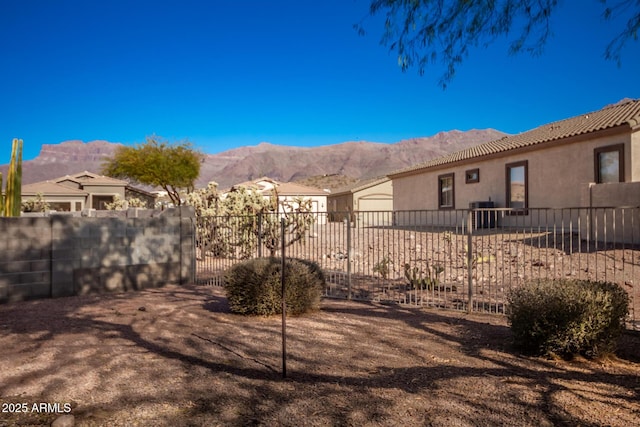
(482, 216)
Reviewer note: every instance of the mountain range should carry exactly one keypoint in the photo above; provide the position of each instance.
(357, 160)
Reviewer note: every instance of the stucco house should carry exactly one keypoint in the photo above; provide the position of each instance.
(591, 160)
(289, 191)
(372, 195)
(59, 197)
(83, 190)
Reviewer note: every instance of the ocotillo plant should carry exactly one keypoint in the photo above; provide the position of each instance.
(13, 191)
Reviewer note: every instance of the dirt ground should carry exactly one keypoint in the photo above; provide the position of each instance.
(175, 356)
(500, 260)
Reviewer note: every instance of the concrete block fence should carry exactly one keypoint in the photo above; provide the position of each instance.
(63, 255)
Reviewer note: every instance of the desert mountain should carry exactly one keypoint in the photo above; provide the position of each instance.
(359, 160)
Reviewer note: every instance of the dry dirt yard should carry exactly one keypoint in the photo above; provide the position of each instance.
(175, 356)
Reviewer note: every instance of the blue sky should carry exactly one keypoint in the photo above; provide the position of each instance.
(231, 73)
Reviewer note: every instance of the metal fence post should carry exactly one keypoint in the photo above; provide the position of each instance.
(259, 234)
(284, 300)
(470, 259)
(348, 258)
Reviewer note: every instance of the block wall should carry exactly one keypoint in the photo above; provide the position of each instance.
(63, 255)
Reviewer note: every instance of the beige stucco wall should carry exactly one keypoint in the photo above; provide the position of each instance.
(375, 198)
(374, 204)
(614, 213)
(107, 190)
(634, 157)
(556, 174)
(102, 190)
(371, 199)
(625, 194)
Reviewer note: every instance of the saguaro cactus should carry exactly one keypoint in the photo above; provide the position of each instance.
(13, 191)
(1, 197)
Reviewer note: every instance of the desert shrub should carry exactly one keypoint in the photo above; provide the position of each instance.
(254, 287)
(567, 317)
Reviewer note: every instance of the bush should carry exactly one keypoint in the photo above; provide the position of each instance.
(567, 317)
(253, 287)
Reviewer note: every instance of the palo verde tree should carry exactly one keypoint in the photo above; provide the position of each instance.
(424, 32)
(173, 167)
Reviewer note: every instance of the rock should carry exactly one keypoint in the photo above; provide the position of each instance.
(66, 420)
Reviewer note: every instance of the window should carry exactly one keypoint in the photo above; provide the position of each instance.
(100, 202)
(609, 163)
(446, 191)
(472, 176)
(60, 206)
(517, 186)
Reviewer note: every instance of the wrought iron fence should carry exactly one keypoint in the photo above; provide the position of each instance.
(458, 259)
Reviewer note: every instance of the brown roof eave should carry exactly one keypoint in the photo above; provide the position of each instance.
(341, 193)
(540, 146)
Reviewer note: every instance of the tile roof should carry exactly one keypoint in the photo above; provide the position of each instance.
(293, 189)
(623, 113)
(360, 185)
(284, 188)
(50, 188)
(256, 184)
(90, 178)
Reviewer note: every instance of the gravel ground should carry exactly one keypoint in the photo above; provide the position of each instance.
(175, 356)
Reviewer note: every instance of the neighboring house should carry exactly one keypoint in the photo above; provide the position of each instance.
(84, 190)
(59, 197)
(373, 195)
(148, 198)
(288, 192)
(584, 161)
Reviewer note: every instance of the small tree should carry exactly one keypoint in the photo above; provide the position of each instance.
(298, 218)
(172, 167)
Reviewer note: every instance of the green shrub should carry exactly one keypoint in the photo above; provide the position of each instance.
(567, 317)
(253, 287)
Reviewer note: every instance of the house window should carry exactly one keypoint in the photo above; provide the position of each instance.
(609, 163)
(446, 191)
(517, 185)
(472, 176)
(100, 202)
(60, 206)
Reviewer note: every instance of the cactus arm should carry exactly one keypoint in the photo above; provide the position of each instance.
(13, 192)
(17, 185)
(1, 197)
(8, 191)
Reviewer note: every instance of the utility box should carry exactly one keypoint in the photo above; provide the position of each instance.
(482, 216)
